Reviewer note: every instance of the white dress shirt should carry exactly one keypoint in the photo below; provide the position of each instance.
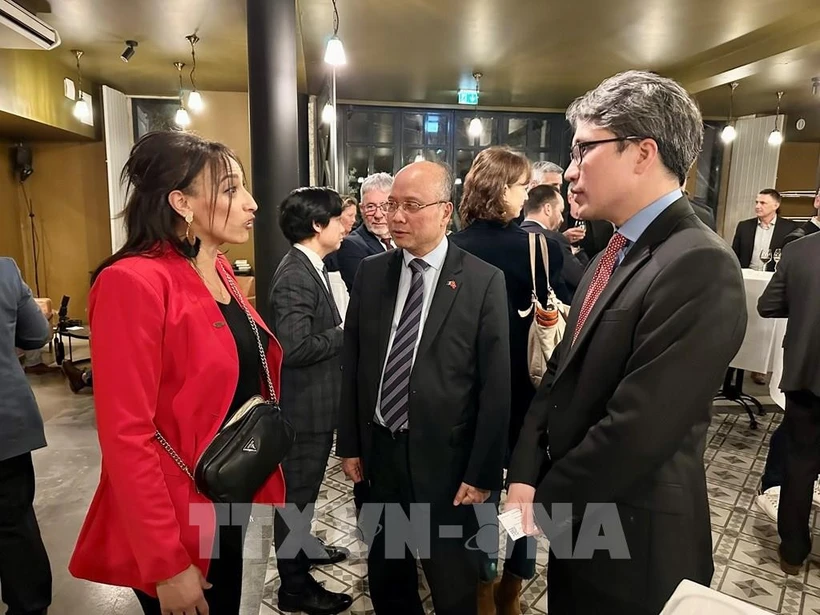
(315, 260)
(763, 239)
(436, 261)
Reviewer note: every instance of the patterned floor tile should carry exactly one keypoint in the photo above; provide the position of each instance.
(757, 555)
(752, 589)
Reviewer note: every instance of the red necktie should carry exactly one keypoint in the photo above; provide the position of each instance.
(602, 274)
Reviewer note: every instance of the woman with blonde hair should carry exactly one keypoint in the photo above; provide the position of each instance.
(495, 190)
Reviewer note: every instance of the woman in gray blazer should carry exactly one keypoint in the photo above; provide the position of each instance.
(25, 573)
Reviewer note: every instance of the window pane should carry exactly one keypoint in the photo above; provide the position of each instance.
(516, 132)
(435, 155)
(412, 155)
(383, 160)
(464, 160)
(539, 134)
(435, 127)
(153, 114)
(357, 127)
(412, 128)
(538, 156)
(488, 132)
(383, 128)
(357, 159)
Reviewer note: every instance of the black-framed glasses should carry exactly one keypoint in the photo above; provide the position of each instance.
(579, 149)
(410, 207)
(371, 208)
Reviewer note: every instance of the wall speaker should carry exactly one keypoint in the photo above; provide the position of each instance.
(22, 161)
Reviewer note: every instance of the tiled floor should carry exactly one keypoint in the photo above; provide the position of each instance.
(744, 539)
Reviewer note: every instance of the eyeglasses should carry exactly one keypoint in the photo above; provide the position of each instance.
(410, 207)
(371, 208)
(577, 151)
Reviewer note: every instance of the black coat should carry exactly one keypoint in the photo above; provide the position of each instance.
(809, 228)
(306, 322)
(459, 384)
(614, 421)
(744, 241)
(794, 293)
(360, 244)
(507, 247)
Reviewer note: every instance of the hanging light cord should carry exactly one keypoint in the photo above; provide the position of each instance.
(335, 19)
(79, 73)
(193, 39)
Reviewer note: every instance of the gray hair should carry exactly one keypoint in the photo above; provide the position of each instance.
(541, 168)
(382, 182)
(643, 104)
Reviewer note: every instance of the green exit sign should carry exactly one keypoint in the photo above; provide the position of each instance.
(468, 97)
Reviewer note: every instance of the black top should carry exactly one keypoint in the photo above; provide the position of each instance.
(251, 375)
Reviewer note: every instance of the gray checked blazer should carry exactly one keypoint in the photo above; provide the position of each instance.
(306, 322)
(22, 325)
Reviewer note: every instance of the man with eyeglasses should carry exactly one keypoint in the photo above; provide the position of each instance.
(614, 433)
(425, 397)
(372, 237)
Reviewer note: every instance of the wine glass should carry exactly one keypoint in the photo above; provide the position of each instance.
(765, 256)
(581, 224)
(777, 254)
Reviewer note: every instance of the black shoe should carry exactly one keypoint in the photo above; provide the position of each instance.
(334, 555)
(314, 600)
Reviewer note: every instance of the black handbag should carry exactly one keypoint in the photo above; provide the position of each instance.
(248, 448)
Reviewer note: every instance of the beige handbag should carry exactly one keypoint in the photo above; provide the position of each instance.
(549, 322)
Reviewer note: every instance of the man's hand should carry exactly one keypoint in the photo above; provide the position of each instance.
(182, 594)
(470, 495)
(521, 496)
(352, 467)
(575, 234)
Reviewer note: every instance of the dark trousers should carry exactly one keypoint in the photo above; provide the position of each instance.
(775, 470)
(304, 469)
(451, 569)
(25, 572)
(225, 568)
(521, 553)
(567, 594)
(802, 427)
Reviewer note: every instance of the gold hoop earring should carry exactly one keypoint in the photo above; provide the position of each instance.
(190, 247)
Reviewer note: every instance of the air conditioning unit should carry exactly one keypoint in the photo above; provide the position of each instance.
(19, 29)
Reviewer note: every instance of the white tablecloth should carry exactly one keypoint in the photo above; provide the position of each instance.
(693, 599)
(339, 292)
(762, 349)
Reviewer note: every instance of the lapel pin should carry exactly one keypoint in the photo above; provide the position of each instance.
(452, 284)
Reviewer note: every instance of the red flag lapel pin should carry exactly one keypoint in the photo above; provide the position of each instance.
(452, 284)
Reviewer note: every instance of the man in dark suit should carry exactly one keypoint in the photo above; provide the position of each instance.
(307, 323)
(425, 393)
(544, 211)
(25, 573)
(810, 227)
(794, 293)
(764, 232)
(373, 235)
(613, 422)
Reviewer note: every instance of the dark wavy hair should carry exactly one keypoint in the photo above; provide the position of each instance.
(493, 169)
(159, 163)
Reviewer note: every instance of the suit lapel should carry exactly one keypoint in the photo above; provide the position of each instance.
(376, 246)
(302, 258)
(444, 293)
(387, 303)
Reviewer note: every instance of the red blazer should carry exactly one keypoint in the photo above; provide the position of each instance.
(164, 360)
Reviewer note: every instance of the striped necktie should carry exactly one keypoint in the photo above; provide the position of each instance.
(395, 398)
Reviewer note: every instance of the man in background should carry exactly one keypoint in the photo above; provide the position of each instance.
(794, 293)
(25, 572)
(765, 232)
(373, 236)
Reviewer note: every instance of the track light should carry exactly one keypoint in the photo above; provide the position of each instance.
(130, 50)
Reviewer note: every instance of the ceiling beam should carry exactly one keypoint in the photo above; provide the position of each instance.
(748, 54)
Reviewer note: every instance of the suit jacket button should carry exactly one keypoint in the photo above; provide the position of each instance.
(219, 324)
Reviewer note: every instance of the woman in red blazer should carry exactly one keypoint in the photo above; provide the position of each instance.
(173, 352)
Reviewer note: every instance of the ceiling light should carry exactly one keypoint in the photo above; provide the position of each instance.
(335, 52)
(475, 128)
(729, 133)
(81, 109)
(775, 136)
(130, 50)
(328, 114)
(195, 103)
(182, 119)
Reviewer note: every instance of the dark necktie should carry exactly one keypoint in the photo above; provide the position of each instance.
(599, 280)
(396, 380)
(387, 245)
